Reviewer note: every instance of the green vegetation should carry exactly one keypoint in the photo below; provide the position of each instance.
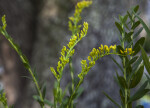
(132, 68)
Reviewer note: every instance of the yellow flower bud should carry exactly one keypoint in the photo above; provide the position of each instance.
(91, 64)
(89, 58)
(114, 47)
(125, 51)
(106, 48)
(121, 52)
(130, 50)
(83, 62)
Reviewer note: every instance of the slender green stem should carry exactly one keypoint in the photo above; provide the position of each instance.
(55, 102)
(37, 86)
(124, 69)
(58, 95)
(126, 90)
(72, 72)
(72, 77)
(77, 87)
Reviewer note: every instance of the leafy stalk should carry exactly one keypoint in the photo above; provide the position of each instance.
(22, 57)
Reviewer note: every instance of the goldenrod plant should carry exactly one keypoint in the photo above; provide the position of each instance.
(132, 68)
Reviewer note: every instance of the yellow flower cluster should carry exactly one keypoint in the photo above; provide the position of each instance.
(74, 20)
(103, 50)
(84, 31)
(63, 60)
(80, 6)
(127, 51)
(95, 54)
(66, 53)
(85, 68)
(4, 22)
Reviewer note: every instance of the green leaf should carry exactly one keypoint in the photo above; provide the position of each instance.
(113, 101)
(126, 26)
(137, 33)
(64, 102)
(130, 16)
(122, 82)
(145, 60)
(121, 18)
(48, 103)
(117, 64)
(138, 95)
(122, 96)
(37, 98)
(26, 65)
(125, 18)
(137, 63)
(137, 77)
(136, 47)
(35, 74)
(116, 80)
(59, 95)
(44, 90)
(76, 81)
(25, 59)
(128, 68)
(128, 36)
(132, 61)
(148, 78)
(15, 47)
(135, 25)
(129, 44)
(70, 89)
(79, 92)
(119, 27)
(143, 86)
(27, 77)
(136, 8)
(144, 25)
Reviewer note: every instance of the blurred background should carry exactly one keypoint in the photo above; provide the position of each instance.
(40, 27)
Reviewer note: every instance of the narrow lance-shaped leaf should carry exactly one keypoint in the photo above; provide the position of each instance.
(144, 25)
(129, 16)
(44, 90)
(119, 27)
(125, 18)
(122, 96)
(137, 33)
(148, 78)
(140, 93)
(136, 8)
(117, 64)
(137, 63)
(137, 77)
(132, 61)
(145, 60)
(135, 24)
(122, 81)
(136, 47)
(48, 103)
(113, 101)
